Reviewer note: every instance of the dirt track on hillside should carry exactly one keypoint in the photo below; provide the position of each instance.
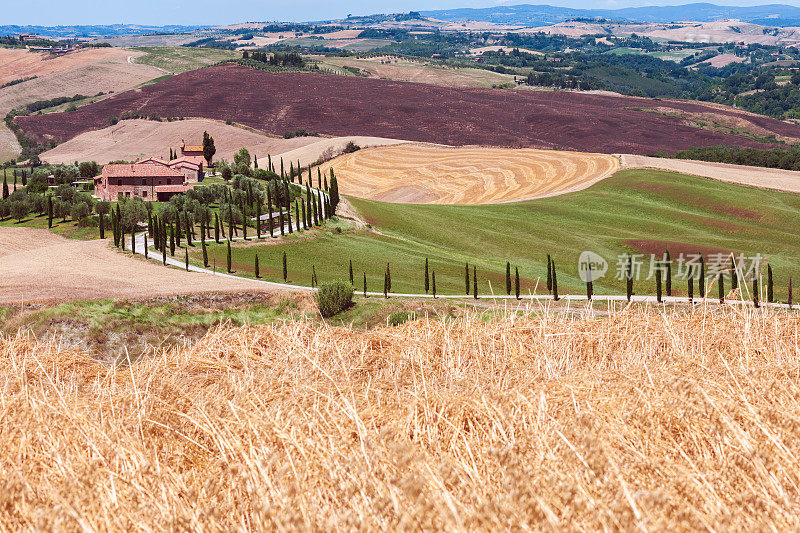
(416, 173)
(341, 106)
(38, 266)
(768, 178)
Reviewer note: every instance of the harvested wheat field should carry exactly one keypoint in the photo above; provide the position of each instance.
(138, 139)
(768, 178)
(417, 173)
(129, 140)
(85, 72)
(38, 266)
(636, 420)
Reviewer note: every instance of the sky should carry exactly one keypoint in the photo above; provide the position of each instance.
(200, 12)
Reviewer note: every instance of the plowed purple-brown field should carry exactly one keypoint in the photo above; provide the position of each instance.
(339, 105)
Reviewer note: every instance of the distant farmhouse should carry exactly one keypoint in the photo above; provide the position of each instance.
(154, 179)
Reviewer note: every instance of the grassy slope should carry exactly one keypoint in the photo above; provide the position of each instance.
(637, 204)
(179, 59)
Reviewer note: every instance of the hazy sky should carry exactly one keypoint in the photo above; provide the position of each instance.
(159, 12)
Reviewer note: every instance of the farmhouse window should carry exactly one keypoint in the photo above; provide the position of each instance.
(144, 194)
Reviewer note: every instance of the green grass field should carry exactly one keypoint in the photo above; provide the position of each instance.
(177, 59)
(636, 211)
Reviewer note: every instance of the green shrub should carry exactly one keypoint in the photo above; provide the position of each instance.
(334, 297)
(399, 317)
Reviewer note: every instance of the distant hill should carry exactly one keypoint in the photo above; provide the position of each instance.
(112, 30)
(540, 15)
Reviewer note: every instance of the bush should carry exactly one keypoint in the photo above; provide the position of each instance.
(334, 297)
(79, 211)
(398, 317)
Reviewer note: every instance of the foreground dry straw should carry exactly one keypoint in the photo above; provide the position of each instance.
(636, 419)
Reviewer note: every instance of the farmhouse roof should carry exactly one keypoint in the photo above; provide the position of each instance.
(186, 160)
(147, 170)
(154, 160)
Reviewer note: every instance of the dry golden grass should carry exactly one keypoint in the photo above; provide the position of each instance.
(420, 173)
(635, 420)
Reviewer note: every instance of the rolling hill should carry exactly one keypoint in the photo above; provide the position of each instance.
(341, 106)
(535, 15)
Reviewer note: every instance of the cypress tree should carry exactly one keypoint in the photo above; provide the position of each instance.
(216, 227)
(258, 274)
(508, 278)
(172, 243)
(770, 294)
(334, 191)
(790, 292)
(658, 285)
(5, 187)
(555, 280)
(49, 211)
(255, 161)
(271, 221)
(690, 285)
(516, 282)
(316, 211)
(549, 274)
(122, 238)
(755, 291)
(385, 285)
(701, 283)
(231, 227)
(721, 283)
(280, 219)
(164, 254)
(351, 273)
(289, 221)
(466, 278)
(433, 284)
(177, 231)
(629, 279)
(205, 256)
(269, 163)
(365, 284)
(668, 260)
(244, 227)
(149, 224)
(102, 224)
(427, 286)
(734, 276)
(285, 269)
(258, 220)
(388, 278)
(474, 282)
(297, 213)
(589, 284)
(203, 234)
(24, 178)
(15, 179)
(145, 245)
(303, 209)
(186, 257)
(230, 261)
(189, 230)
(133, 241)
